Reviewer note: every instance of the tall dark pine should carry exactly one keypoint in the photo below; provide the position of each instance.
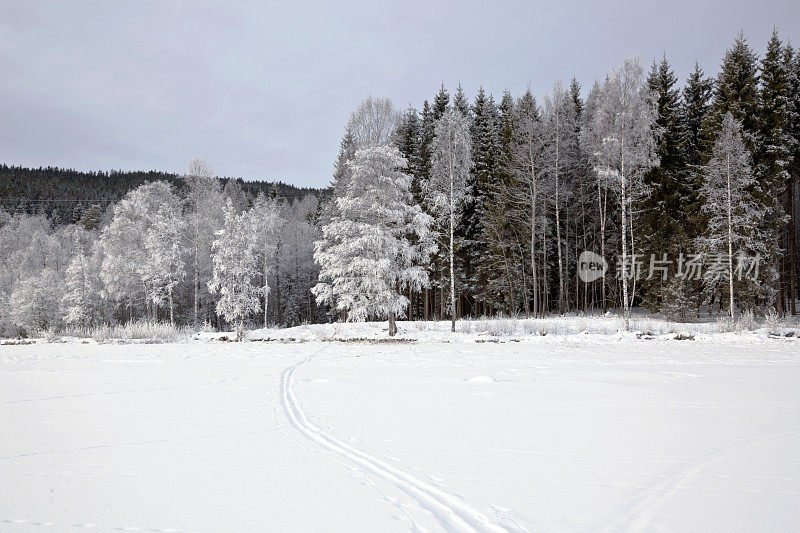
(773, 153)
(792, 62)
(485, 160)
(665, 206)
(460, 101)
(440, 102)
(735, 91)
(499, 262)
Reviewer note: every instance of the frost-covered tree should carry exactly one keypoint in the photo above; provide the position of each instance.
(81, 303)
(559, 136)
(235, 268)
(265, 222)
(136, 268)
(373, 122)
(446, 189)
(622, 144)
(35, 301)
(730, 202)
(528, 160)
(377, 243)
(205, 203)
(165, 265)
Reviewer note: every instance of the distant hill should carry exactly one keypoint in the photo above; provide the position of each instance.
(64, 194)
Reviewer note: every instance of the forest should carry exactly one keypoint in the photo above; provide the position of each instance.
(683, 195)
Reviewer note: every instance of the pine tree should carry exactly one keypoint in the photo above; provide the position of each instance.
(668, 184)
(460, 102)
(440, 103)
(485, 163)
(774, 145)
(499, 234)
(695, 106)
(735, 92)
(368, 258)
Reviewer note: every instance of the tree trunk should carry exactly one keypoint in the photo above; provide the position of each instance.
(392, 324)
(624, 229)
(730, 238)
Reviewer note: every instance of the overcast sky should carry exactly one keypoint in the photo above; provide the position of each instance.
(263, 91)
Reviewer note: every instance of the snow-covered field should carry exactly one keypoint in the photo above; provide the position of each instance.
(581, 432)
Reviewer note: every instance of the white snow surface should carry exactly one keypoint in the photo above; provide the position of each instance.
(566, 431)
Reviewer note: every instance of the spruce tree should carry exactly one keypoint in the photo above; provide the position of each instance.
(484, 133)
(735, 92)
(663, 209)
(774, 143)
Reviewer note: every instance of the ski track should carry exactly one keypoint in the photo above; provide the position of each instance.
(640, 517)
(452, 513)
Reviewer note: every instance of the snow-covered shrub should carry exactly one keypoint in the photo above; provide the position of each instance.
(772, 321)
(724, 324)
(746, 321)
(140, 330)
(464, 326)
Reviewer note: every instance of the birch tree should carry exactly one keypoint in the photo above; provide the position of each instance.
(624, 129)
(447, 187)
(205, 203)
(265, 222)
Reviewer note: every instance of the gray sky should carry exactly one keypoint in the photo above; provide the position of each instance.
(263, 91)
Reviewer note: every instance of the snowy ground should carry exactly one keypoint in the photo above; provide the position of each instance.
(621, 433)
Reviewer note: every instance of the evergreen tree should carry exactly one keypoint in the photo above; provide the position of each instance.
(774, 144)
(460, 102)
(499, 236)
(440, 103)
(735, 92)
(485, 163)
(664, 208)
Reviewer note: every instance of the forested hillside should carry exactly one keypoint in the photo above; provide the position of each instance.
(64, 194)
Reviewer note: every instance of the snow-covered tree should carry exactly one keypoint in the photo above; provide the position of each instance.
(81, 303)
(733, 211)
(205, 203)
(165, 265)
(235, 268)
(377, 243)
(622, 145)
(265, 222)
(131, 272)
(446, 189)
(373, 122)
(559, 134)
(35, 301)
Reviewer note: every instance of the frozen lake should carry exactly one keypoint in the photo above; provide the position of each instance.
(259, 436)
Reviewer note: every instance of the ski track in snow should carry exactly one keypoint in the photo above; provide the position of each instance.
(641, 515)
(450, 511)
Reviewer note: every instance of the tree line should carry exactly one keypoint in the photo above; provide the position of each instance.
(687, 193)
